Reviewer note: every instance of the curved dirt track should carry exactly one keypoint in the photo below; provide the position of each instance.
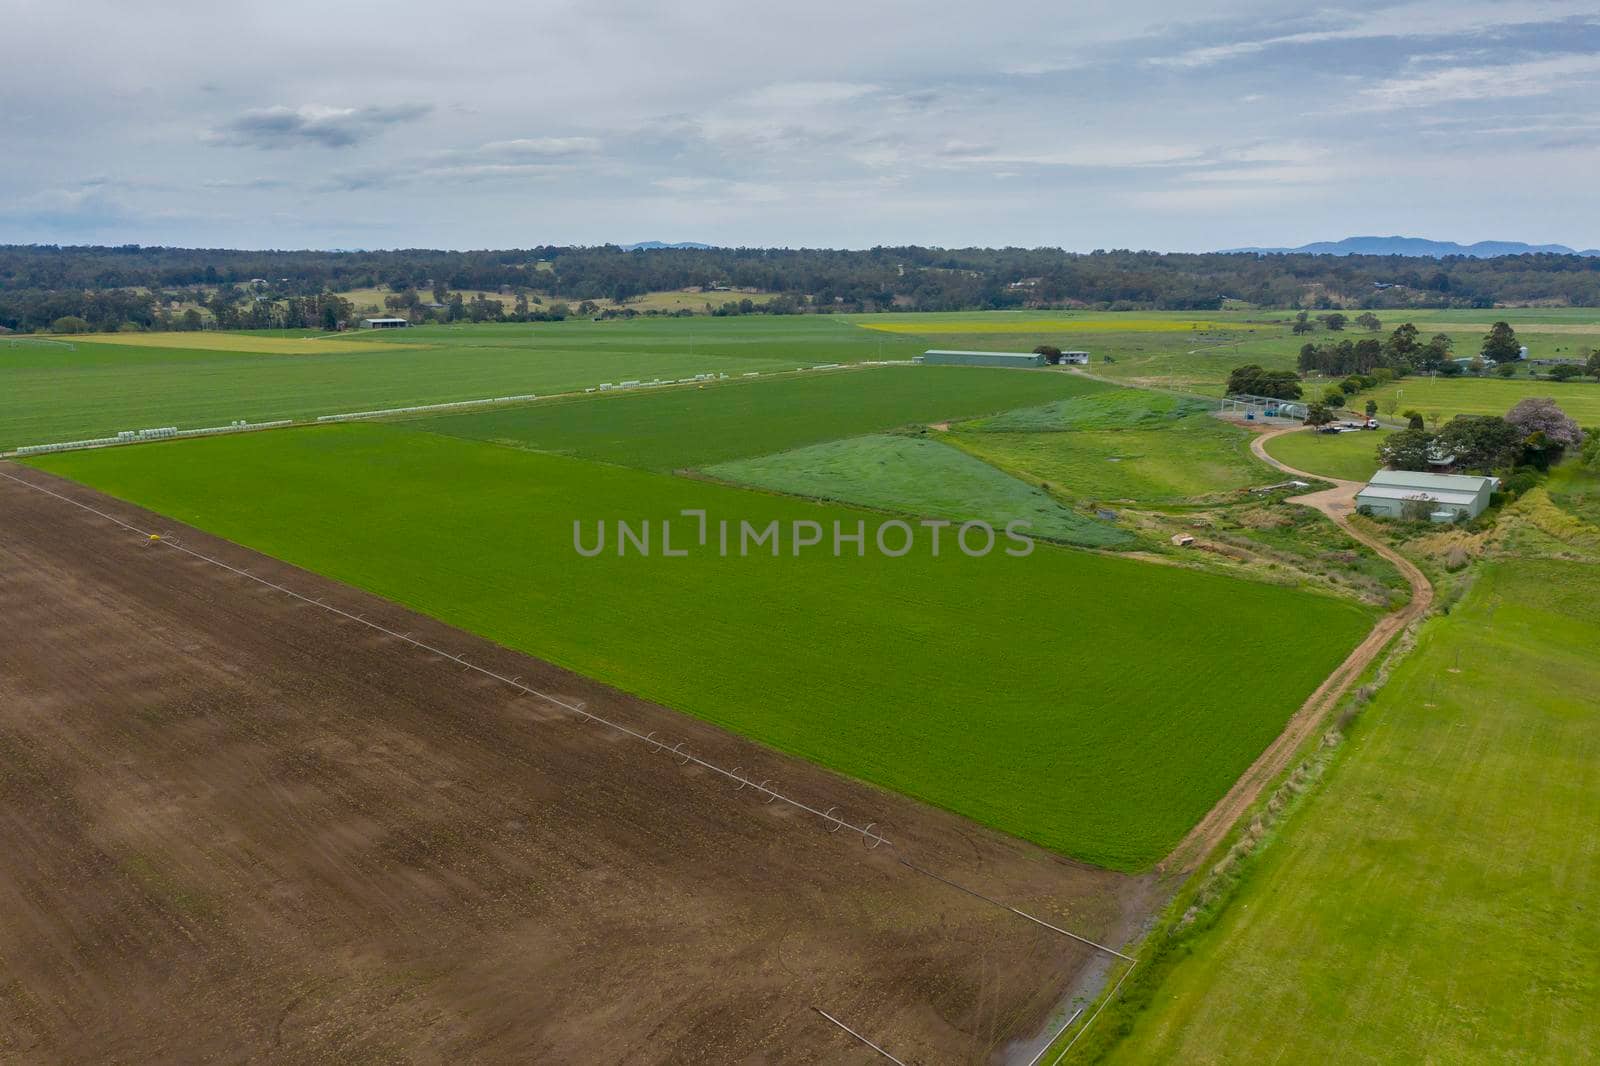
(1337, 503)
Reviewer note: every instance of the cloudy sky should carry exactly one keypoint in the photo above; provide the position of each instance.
(845, 124)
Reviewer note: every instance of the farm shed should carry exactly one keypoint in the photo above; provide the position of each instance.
(941, 357)
(384, 323)
(1075, 358)
(1267, 406)
(1450, 496)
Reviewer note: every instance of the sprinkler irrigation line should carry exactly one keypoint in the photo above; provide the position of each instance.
(684, 757)
(1114, 990)
(858, 1036)
(1047, 1044)
(1013, 910)
(871, 839)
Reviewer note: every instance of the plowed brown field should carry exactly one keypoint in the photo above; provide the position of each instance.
(235, 826)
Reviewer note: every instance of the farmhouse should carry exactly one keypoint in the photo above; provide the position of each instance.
(1449, 496)
(384, 323)
(941, 357)
(1076, 358)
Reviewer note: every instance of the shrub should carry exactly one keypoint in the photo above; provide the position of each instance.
(1416, 510)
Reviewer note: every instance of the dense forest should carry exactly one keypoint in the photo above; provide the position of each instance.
(110, 287)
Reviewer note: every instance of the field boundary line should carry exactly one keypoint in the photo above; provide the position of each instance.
(831, 821)
(1007, 907)
(1336, 504)
(858, 1036)
(1048, 1044)
(1086, 1025)
(684, 757)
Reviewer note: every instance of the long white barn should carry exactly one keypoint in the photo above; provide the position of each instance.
(1450, 496)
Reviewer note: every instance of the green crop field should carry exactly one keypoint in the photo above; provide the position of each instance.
(1104, 408)
(1120, 444)
(1033, 322)
(919, 476)
(1434, 901)
(54, 394)
(119, 381)
(940, 677)
(1448, 397)
(1348, 456)
(687, 427)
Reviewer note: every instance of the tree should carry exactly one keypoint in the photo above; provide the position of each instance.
(1390, 405)
(1565, 372)
(1409, 449)
(1541, 415)
(1592, 364)
(1317, 414)
(1334, 321)
(1506, 370)
(70, 324)
(1333, 398)
(1401, 347)
(1369, 322)
(1414, 419)
(1051, 353)
(191, 320)
(1591, 450)
(1303, 323)
(1372, 408)
(1481, 442)
(1500, 344)
(1435, 355)
(330, 317)
(1252, 380)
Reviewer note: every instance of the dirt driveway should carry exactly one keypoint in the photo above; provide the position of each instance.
(1338, 503)
(235, 826)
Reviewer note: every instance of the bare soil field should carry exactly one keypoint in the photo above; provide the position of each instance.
(236, 826)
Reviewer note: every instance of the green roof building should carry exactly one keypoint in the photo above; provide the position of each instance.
(942, 357)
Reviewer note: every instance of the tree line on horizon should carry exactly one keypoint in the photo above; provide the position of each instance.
(109, 287)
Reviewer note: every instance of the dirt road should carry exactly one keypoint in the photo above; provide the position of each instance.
(235, 826)
(1338, 503)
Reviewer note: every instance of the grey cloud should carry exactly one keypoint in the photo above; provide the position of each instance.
(329, 127)
(542, 147)
(1144, 123)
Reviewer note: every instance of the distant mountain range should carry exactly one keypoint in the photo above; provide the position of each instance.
(1417, 246)
(648, 246)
